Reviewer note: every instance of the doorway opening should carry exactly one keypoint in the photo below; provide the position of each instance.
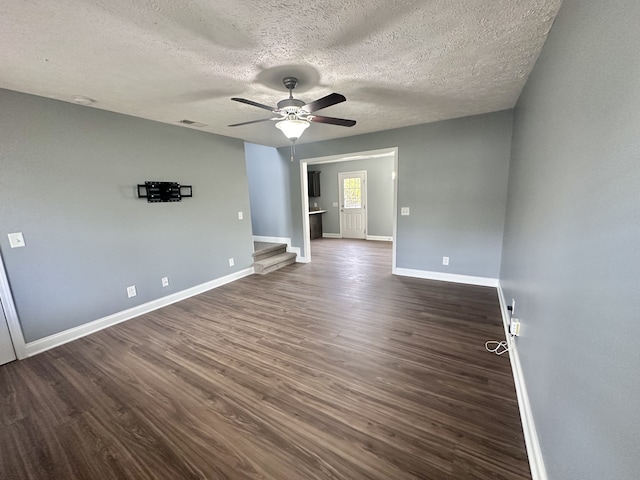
(11, 340)
(311, 164)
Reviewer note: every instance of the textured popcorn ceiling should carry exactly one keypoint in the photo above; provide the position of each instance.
(398, 62)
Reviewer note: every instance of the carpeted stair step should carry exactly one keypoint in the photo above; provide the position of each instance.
(274, 262)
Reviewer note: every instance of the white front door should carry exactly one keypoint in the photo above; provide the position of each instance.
(7, 354)
(353, 204)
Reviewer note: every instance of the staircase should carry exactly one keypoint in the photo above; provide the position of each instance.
(268, 257)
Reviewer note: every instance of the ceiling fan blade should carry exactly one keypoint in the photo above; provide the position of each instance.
(333, 121)
(253, 121)
(324, 102)
(255, 104)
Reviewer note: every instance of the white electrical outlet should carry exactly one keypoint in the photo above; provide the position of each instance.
(131, 291)
(514, 327)
(16, 240)
(405, 211)
(240, 215)
(445, 260)
(165, 281)
(231, 262)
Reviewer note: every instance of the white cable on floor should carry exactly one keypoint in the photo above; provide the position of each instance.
(501, 347)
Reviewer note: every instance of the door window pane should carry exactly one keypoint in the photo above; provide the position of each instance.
(352, 193)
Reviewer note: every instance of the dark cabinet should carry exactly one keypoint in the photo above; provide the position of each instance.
(315, 225)
(314, 183)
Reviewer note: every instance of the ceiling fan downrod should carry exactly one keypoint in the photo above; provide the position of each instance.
(290, 83)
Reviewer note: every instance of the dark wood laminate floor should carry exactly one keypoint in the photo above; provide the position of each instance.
(331, 370)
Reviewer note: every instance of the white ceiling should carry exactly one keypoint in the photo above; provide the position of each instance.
(399, 63)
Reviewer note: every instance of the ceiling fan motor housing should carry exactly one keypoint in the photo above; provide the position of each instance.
(290, 82)
(290, 105)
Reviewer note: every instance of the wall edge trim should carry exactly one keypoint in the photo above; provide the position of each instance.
(532, 443)
(66, 336)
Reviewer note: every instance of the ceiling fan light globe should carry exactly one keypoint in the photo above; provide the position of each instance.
(292, 129)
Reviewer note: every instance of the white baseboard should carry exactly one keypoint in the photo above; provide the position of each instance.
(47, 343)
(258, 238)
(447, 277)
(296, 250)
(534, 453)
(368, 237)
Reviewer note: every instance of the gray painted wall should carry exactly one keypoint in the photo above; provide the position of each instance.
(68, 183)
(269, 190)
(453, 175)
(379, 194)
(572, 241)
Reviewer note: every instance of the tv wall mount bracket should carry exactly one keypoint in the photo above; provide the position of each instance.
(157, 192)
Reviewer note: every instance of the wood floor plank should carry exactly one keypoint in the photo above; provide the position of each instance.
(330, 370)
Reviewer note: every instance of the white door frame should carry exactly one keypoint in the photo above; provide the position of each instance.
(11, 314)
(363, 174)
(304, 188)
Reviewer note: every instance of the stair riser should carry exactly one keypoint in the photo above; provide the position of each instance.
(272, 253)
(272, 268)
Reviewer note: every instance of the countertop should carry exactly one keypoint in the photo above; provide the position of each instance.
(313, 212)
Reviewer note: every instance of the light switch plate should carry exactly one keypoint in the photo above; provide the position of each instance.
(405, 211)
(16, 240)
(240, 215)
(335, 204)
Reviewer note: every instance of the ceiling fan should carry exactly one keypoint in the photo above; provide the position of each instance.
(294, 116)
